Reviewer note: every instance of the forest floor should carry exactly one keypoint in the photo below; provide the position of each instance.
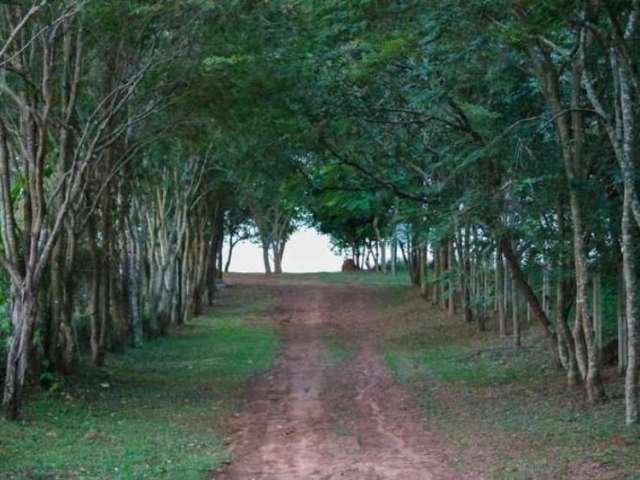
(323, 376)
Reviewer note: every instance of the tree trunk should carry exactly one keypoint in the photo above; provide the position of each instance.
(468, 311)
(579, 342)
(569, 124)
(265, 256)
(597, 311)
(424, 279)
(95, 304)
(515, 316)
(383, 256)
(394, 254)
(23, 316)
(502, 318)
(451, 281)
(529, 295)
(565, 339)
(442, 268)
(629, 273)
(278, 255)
(219, 254)
(622, 325)
(52, 329)
(593, 384)
(232, 244)
(135, 282)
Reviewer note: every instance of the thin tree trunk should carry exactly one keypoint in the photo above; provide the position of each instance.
(581, 349)
(536, 309)
(565, 339)
(451, 282)
(265, 256)
(135, 282)
(502, 318)
(441, 291)
(468, 311)
(622, 325)
(394, 253)
(232, 245)
(23, 313)
(570, 129)
(597, 311)
(629, 273)
(424, 280)
(515, 318)
(383, 256)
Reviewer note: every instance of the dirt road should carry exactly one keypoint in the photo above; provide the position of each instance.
(329, 409)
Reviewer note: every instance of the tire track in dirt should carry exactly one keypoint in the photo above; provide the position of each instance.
(310, 419)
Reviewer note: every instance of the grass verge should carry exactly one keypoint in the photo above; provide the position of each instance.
(366, 278)
(507, 409)
(154, 412)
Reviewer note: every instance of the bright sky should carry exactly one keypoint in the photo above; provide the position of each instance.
(306, 251)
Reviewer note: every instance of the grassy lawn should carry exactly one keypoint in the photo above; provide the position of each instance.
(337, 350)
(507, 409)
(365, 277)
(154, 412)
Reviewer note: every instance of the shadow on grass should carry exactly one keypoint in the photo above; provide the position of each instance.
(366, 278)
(153, 412)
(506, 408)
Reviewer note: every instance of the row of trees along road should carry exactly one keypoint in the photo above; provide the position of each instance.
(500, 140)
(491, 143)
(119, 174)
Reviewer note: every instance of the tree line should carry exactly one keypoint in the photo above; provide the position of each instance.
(115, 199)
(501, 138)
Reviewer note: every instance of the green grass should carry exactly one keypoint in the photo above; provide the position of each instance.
(508, 410)
(337, 350)
(460, 366)
(154, 412)
(366, 278)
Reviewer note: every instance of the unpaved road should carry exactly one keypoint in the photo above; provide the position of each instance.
(318, 416)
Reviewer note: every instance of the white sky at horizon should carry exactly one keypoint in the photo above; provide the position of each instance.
(307, 251)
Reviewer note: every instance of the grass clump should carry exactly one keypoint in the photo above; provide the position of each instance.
(154, 412)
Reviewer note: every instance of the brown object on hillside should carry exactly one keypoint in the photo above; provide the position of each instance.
(349, 265)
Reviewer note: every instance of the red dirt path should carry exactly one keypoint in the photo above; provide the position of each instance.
(317, 418)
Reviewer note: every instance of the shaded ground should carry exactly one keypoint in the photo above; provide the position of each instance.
(329, 409)
(151, 413)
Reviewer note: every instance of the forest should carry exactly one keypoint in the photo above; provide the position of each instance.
(487, 149)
